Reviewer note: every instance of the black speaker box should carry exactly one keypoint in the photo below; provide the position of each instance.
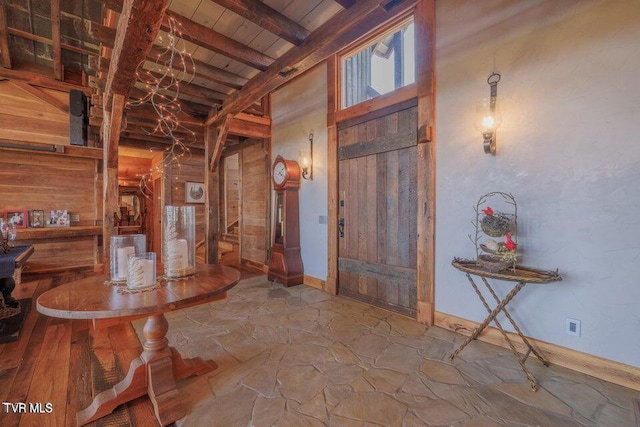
(78, 118)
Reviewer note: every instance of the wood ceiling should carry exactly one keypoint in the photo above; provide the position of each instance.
(241, 49)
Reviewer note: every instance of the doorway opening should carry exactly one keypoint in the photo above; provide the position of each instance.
(229, 245)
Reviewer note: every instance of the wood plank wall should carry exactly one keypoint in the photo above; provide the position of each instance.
(47, 181)
(188, 170)
(25, 117)
(254, 200)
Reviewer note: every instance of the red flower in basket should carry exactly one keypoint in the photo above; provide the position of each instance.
(510, 245)
(488, 211)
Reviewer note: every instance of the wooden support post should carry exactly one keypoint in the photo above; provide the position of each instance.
(332, 172)
(55, 38)
(138, 25)
(212, 200)
(425, 32)
(221, 138)
(111, 134)
(5, 54)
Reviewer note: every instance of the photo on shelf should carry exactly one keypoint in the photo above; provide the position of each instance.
(58, 218)
(17, 217)
(36, 218)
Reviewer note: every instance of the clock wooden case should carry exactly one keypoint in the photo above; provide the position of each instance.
(285, 264)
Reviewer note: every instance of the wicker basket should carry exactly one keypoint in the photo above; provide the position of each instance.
(492, 263)
(495, 225)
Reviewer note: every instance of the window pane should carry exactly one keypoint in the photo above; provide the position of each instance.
(383, 66)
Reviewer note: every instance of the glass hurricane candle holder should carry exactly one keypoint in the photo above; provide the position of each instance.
(121, 248)
(141, 270)
(179, 241)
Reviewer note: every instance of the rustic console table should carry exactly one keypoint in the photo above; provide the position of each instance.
(520, 275)
(159, 366)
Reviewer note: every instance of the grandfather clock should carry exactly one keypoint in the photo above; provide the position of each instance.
(285, 265)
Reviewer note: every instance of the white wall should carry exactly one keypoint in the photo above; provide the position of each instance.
(568, 150)
(298, 109)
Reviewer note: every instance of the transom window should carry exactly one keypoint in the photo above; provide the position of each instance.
(386, 64)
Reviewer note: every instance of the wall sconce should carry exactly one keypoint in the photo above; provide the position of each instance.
(488, 117)
(306, 160)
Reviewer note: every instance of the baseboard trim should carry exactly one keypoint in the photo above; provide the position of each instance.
(314, 282)
(258, 265)
(599, 367)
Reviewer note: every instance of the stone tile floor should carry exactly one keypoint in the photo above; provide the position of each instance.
(300, 357)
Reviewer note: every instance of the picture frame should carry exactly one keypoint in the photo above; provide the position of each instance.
(36, 218)
(194, 192)
(57, 218)
(19, 217)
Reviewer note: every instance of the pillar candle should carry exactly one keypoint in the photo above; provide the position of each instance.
(122, 254)
(141, 273)
(177, 257)
(149, 267)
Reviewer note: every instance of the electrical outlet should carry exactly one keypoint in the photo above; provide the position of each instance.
(572, 327)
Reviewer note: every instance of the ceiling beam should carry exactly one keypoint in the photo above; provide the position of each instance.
(346, 3)
(155, 146)
(332, 36)
(4, 36)
(212, 40)
(55, 38)
(205, 71)
(267, 18)
(193, 90)
(137, 28)
(189, 107)
(106, 36)
(40, 80)
(249, 126)
(49, 42)
(144, 127)
(146, 111)
(115, 5)
(188, 103)
(148, 121)
(159, 139)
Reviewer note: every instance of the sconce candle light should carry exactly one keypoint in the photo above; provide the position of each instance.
(488, 117)
(306, 160)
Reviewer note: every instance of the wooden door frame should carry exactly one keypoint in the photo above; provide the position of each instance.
(424, 90)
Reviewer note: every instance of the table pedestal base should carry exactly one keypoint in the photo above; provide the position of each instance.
(154, 373)
(501, 307)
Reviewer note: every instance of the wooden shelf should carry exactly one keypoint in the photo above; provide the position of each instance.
(58, 232)
(518, 274)
(52, 149)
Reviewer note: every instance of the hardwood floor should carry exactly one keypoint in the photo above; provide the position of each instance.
(56, 366)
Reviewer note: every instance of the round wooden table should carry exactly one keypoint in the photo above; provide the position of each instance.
(159, 366)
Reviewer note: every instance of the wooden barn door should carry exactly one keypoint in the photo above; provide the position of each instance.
(377, 250)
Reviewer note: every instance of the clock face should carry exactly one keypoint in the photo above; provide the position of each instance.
(279, 173)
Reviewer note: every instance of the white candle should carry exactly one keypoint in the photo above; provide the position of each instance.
(177, 258)
(122, 254)
(141, 273)
(148, 266)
